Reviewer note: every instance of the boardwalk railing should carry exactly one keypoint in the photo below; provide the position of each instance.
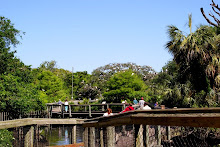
(155, 128)
(87, 110)
(4, 116)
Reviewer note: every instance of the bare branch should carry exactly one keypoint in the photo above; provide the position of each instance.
(203, 13)
(215, 11)
(214, 5)
(216, 20)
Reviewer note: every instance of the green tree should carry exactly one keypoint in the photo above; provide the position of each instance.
(101, 75)
(17, 92)
(124, 84)
(8, 38)
(50, 86)
(197, 56)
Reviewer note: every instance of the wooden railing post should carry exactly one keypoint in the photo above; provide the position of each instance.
(74, 134)
(110, 136)
(90, 111)
(92, 137)
(62, 110)
(70, 115)
(140, 137)
(147, 135)
(158, 133)
(86, 137)
(101, 138)
(168, 133)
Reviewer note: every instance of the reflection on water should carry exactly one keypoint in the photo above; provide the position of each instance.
(62, 135)
(49, 135)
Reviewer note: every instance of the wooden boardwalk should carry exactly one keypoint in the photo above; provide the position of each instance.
(82, 111)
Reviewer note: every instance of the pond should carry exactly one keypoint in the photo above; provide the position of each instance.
(50, 135)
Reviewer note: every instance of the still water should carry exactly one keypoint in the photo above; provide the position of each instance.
(49, 135)
(61, 135)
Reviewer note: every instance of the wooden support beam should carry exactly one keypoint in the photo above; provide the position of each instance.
(101, 138)
(92, 137)
(86, 137)
(110, 136)
(70, 115)
(90, 111)
(74, 134)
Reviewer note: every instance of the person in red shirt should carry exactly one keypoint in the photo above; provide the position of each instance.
(129, 108)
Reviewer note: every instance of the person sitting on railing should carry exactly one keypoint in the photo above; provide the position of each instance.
(109, 112)
(129, 108)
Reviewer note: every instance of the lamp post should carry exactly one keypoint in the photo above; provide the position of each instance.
(72, 84)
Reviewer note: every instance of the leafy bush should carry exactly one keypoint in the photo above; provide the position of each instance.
(6, 138)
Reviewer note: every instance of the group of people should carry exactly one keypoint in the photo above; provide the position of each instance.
(65, 103)
(141, 103)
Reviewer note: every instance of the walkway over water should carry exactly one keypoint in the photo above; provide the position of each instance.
(83, 111)
(158, 127)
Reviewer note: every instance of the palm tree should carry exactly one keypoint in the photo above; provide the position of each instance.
(197, 55)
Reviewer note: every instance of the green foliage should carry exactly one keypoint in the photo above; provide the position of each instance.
(50, 86)
(124, 84)
(80, 79)
(17, 93)
(6, 138)
(101, 75)
(16, 96)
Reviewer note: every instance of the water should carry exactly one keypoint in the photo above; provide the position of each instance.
(62, 134)
(50, 135)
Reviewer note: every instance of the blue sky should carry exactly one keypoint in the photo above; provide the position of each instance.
(87, 34)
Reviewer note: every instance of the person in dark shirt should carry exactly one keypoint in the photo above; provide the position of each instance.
(129, 108)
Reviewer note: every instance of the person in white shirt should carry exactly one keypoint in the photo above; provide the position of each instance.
(146, 107)
(108, 113)
(141, 103)
(66, 105)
